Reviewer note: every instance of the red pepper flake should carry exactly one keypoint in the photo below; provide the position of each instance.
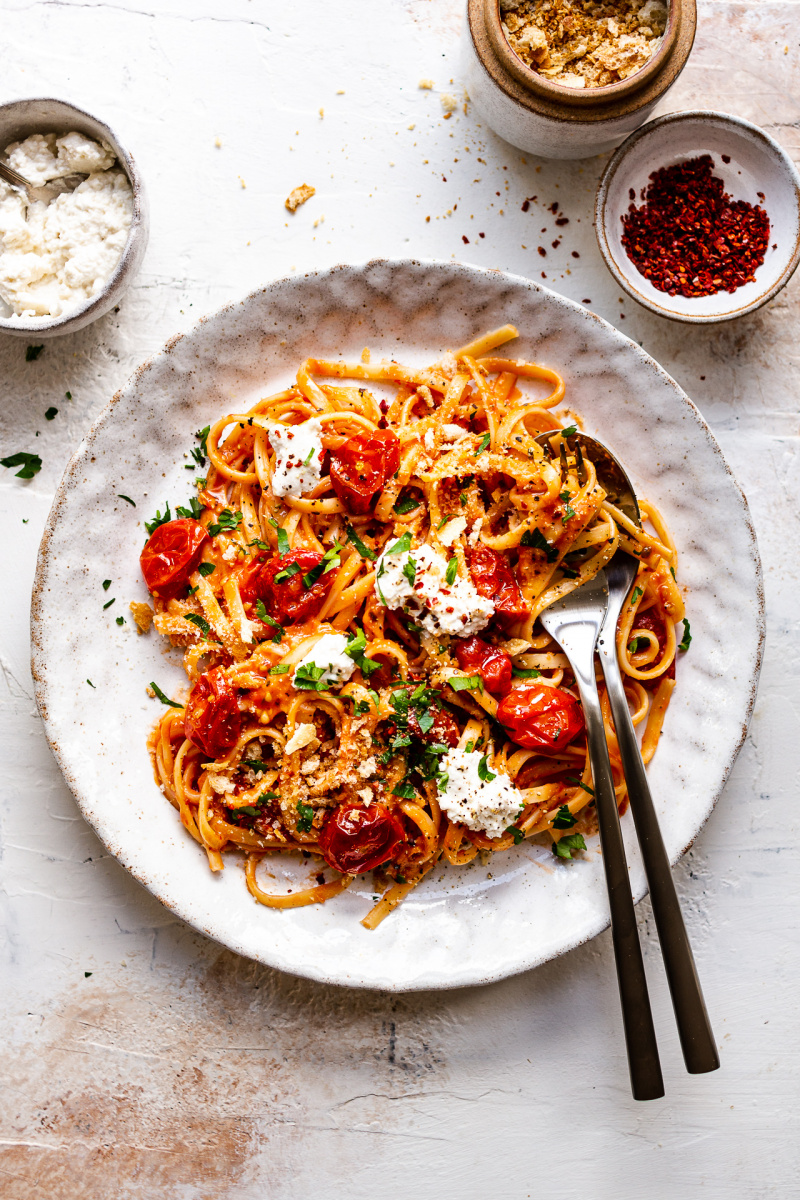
(465, 239)
(575, 254)
(726, 158)
(556, 243)
(481, 235)
(562, 220)
(586, 302)
(542, 251)
(554, 207)
(525, 205)
(690, 238)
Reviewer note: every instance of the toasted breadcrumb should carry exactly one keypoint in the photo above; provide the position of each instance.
(426, 85)
(142, 615)
(299, 195)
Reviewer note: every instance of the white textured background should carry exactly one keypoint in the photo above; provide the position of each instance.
(138, 1059)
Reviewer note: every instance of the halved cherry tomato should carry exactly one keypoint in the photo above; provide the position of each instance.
(540, 718)
(654, 624)
(171, 554)
(494, 578)
(493, 664)
(288, 600)
(212, 719)
(356, 839)
(361, 466)
(443, 730)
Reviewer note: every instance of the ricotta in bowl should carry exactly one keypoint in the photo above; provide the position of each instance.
(54, 257)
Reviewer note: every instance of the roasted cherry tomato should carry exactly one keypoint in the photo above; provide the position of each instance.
(171, 554)
(654, 624)
(492, 664)
(356, 839)
(361, 466)
(494, 578)
(288, 600)
(443, 730)
(540, 718)
(212, 719)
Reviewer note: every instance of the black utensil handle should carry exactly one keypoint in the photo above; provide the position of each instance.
(637, 1018)
(694, 1028)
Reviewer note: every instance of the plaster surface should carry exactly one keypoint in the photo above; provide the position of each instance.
(141, 1060)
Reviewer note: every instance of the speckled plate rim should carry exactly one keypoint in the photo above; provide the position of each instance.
(616, 162)
(526, 958)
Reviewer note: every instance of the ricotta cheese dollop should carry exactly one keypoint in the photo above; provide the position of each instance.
(298, 456)
(456, 608)
(486, 805)
(54, 257)
(328, 653)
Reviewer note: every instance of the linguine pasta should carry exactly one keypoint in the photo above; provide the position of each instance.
(369, 681)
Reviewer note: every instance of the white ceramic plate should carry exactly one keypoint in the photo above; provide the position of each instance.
(463, 926)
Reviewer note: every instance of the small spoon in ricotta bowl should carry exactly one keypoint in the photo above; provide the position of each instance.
(45, 193)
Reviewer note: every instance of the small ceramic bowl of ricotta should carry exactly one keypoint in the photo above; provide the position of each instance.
(66, 263)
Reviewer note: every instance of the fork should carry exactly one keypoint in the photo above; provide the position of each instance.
(574, 622)
(47, 191)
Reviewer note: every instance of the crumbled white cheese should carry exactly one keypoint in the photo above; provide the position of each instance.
(367, 768)
(487, 806)
(366, 795)
(310, 765)
(220, 784)
(298, 456)
(54, 257)
(428, 440)
(329, 654)
(303, 735)
(437, 606)
(246, 628)
(475, 532)
(452, 530)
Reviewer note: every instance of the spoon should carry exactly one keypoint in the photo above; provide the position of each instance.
(574, 622)
(694, 1028)
(47, 191)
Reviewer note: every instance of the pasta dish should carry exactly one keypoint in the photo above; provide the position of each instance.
(356, 585)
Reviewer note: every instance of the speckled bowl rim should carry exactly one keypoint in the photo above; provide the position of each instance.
(82, 459)
(97, 306)
(616, 161)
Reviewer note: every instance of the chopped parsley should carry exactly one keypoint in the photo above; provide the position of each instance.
(264, 616)
(120, 620)
(406, 505)
(356, 541)
(194, 511)
(686, 640)
(401, 546)
(447, 517)
(283, 537)
(160, 695)
(636, 595)
(536, 539)
(564, 847)
(517, 834)
(485, 442)
(255, 764)
(201, 623)
(106, 584)
(465, 683)
(331, 559)
(287, 572)
(569, 511)
(121, 497)
(410, 570)
(226, 522)
(564, 818)
(355, 649)
(306, 813)
(483, 771)
(92, 685)
(199, 453)
(206, 569)
(308, 678)
(525, 672)
(51, 413)
(257, 542)
(451, 572)
(568, 432)
(32, 353)
(68, 395)
(152, 526)
(579, 783)
(404, 790)
(31, 464)
(280, 669)
(108, 603)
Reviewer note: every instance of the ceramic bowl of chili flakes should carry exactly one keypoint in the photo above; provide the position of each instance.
(698, 217)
